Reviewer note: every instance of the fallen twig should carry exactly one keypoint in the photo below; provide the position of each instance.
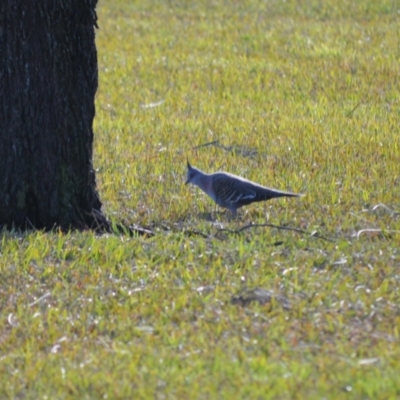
(131, 230)
(191, 232)
(152, 105)
(286, 228)
(240, 150)
(39, 299)
(373, 230)
(351, 112)
(213, 143)
(386, 208)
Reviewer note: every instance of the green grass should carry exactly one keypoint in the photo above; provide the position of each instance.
(304, 95)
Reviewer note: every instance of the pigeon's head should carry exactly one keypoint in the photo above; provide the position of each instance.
(193, 174)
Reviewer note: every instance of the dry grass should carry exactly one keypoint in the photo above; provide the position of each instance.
(300, 96)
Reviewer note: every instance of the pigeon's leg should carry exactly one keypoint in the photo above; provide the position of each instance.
(215, 212)
(234, 214)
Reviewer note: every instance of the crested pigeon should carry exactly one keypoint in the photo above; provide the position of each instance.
(231, 191)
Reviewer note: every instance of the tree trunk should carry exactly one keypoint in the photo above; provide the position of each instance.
(48, 81)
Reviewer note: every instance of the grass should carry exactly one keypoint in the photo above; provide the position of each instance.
(301, 96)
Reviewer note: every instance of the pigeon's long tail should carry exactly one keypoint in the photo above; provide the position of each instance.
(267, 194)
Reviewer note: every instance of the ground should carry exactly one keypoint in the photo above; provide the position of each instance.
(299, 96)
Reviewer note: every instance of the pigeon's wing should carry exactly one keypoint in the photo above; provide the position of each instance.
(231, 192)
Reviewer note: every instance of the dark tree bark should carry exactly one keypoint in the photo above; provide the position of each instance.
(48, 81)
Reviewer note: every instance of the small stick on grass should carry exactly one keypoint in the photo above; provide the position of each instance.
(213, 143)
(393, 213)
(286, 228)
(373, 230)
(350, 113)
